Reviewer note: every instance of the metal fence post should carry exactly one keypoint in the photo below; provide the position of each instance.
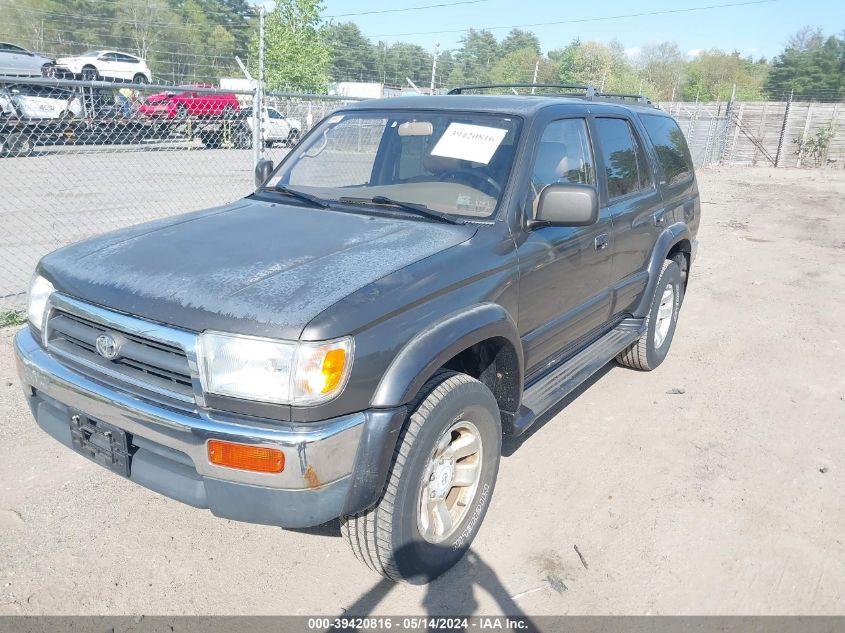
(783, 128)
(257, 110)
(723, 137)
(804, 134)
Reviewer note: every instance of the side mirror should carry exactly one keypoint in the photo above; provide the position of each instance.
(567, 205)
(263, 169)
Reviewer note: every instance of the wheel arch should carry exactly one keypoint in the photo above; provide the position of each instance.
(676, 238)
(481, 341)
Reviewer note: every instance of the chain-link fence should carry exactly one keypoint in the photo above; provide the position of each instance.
(78, 158)
(81, 158)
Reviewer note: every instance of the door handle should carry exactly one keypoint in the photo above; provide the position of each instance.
(602, 241)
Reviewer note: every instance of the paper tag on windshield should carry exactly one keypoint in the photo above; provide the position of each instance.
(477, 143)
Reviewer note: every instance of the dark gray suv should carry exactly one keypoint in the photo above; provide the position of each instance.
(418, 277)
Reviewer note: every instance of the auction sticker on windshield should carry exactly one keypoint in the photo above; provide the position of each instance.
(476, 143)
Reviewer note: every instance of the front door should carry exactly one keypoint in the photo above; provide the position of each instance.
(564, 271)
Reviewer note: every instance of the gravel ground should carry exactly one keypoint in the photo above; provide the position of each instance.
(714, 485)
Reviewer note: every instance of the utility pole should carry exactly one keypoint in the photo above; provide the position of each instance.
(536, 69)
(434, 66)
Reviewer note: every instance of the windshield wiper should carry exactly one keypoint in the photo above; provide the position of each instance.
(417, 209)
(299, 195)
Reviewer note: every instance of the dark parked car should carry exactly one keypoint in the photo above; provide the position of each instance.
(418, 277)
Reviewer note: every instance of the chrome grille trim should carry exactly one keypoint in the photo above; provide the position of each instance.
(157, 360)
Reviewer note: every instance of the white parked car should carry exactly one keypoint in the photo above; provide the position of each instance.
(39, 102)
(19, 62)
(95, 65)
(279, 129)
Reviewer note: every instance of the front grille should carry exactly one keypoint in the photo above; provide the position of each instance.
(142, 364)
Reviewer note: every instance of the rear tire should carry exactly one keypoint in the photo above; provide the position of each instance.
(440, 484)
(89, 73)
(652, 347)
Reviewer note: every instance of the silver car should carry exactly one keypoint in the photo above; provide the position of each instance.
(19, 62)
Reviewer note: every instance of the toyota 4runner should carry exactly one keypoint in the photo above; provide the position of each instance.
(418, 277)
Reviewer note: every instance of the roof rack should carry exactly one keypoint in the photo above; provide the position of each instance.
(588, 92)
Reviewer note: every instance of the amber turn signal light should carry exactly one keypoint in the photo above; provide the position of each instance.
(259, 459)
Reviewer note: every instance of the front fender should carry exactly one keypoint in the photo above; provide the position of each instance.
(423, 355)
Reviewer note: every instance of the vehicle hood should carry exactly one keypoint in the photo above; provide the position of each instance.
(72, 59)
(252, 267)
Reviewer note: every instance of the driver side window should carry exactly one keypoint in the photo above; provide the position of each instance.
(564, 156)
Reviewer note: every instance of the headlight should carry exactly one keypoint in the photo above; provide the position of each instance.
(269, 370)
(39, 291)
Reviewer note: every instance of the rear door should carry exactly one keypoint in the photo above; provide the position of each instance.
(12, 61)
(564, 271)
(125, 66)
(675, 171)
(632, 200)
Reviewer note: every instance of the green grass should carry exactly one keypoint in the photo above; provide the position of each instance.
(12, 317)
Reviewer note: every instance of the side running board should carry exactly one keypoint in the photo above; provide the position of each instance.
(564, 379)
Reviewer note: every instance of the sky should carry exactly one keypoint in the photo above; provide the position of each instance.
(759, 29)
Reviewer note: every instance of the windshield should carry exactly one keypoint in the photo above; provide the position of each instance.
(450, 162)
(91, 54)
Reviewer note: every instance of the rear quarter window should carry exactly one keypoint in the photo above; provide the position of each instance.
(670, 146)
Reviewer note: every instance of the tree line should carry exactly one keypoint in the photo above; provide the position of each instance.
(187, 41)
(811, 65)
(182, 40)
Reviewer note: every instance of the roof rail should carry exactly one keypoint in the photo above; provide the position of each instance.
(623, 95)
(589, 91)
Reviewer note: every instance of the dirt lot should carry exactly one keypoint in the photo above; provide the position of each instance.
(714, 485)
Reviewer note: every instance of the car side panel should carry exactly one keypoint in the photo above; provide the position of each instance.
(388, 315)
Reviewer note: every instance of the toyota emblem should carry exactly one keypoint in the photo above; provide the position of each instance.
(107, 347)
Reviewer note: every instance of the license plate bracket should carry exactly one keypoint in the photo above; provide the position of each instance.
(101, 442)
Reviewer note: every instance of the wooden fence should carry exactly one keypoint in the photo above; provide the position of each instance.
(759, 132)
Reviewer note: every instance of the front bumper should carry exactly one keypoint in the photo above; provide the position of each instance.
(331, 468)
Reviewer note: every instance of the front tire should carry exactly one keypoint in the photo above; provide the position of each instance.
(140, 79)
(440, 484)
(652, 347)
(293, 138)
